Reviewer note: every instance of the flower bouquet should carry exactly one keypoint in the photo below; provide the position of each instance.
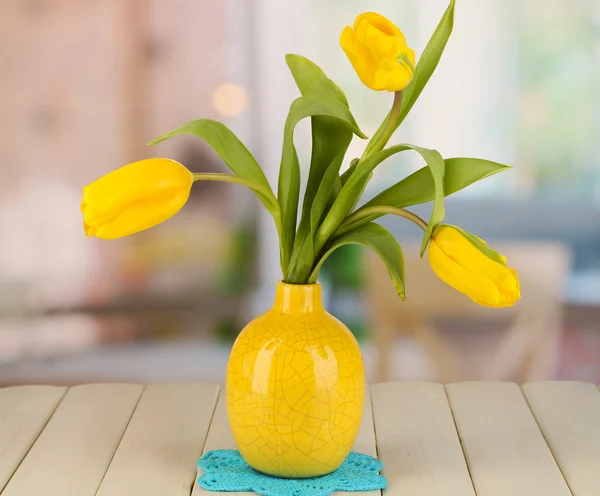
(295, 379)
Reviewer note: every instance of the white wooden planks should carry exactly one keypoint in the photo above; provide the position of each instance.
(158, 453)
(24, 410)
(158, 436)
(505, 450)
(569, 415)
(417, 441)
(73, 451)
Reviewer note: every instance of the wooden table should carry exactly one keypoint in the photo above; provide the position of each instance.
(477, 438)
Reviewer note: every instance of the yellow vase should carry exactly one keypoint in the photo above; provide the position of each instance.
(295, 387)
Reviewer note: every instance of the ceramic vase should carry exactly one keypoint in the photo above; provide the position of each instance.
(295, 387)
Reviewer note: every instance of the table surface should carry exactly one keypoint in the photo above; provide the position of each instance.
(465, 439)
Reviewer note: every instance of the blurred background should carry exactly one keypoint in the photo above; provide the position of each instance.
(84, 84)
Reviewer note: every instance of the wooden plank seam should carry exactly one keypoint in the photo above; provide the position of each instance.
(35, 440)
(212, 418)
(375, 435)
(545, 439)
(374, 424)
(460, 439)
(370, 398)
(120, 439)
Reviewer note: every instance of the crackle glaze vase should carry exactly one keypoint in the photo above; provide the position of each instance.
(295, 387)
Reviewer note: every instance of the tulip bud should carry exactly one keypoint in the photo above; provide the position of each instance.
(378, 52)
(466, 263)
(135, 197)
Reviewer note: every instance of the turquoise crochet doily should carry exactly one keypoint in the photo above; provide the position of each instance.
(226, 470)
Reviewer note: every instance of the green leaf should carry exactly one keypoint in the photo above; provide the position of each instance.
(330, 140)
(330, 136)
(462, 172)
(346, 175)
(301, 259)
(231, 150)
(289, 172)
(337, 187)
(381, 241)
(480, 245)
(425, 67)
(355, 184)
(437, 167)
(303, 254)
(311, 80)
(419, 186)
(323, 194)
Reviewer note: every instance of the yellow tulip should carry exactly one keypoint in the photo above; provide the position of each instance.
(135, 197)
(378, 52)
(465, 262)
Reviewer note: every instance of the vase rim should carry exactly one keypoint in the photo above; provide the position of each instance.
(287, 284)
(298, 298)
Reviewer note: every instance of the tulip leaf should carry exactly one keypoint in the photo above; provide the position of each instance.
(428, 61)
(330, 139)
(337, 187)
(481, 245)
(356, 183)
(462, 172)
(311, 80)
(378, 239)
(303, 254)
(346, 175)
(419, 187)
(324, 192)
(231, 150)
(289, 172)
(358, 189)
(437, 167)
(301, 259)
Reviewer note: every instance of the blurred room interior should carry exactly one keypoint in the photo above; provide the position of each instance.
(84, 84)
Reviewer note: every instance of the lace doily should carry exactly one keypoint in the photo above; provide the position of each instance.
(226, 470)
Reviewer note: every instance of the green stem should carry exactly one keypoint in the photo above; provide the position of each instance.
(380, 210)
(388, 130)
(261, 190)
(229, 178)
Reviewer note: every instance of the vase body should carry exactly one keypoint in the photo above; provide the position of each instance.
(295, 387)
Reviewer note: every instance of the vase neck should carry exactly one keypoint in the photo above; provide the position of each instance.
(298, 298)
